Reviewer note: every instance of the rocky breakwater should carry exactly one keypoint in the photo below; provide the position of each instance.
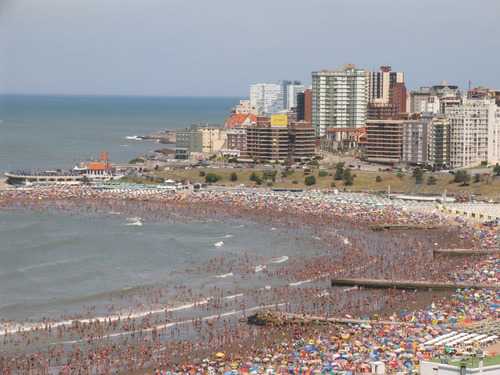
(166, 137)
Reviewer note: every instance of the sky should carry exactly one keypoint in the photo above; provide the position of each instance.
(221, 47)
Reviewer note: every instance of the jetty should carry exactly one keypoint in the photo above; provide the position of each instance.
(409, 284)
(381, 227)
(461, 252)
(278, 318)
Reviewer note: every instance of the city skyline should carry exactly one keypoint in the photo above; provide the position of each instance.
(220, 48)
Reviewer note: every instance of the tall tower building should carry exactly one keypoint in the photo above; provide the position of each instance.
(439, 150)
(272, 98)
(339, 99)
(290, 91)
(304, 106)
(379, 84)
(268, 97)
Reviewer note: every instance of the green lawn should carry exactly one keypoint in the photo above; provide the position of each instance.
(364, 181)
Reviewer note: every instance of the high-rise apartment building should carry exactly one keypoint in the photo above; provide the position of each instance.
(379, 84)
(415, 148)
(268, 140)
(339, 99)
(384, 141)
(268, 97)
(290, 91)
(304, 106)
(474, 132)
(439, 143)
(272, 98)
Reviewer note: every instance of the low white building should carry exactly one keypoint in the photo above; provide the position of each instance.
(433, 368)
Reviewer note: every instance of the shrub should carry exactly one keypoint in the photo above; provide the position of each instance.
(136, 160)
(234, 176)
(295, 182)
(255, 178)
(202, 173)
(212, 177)
(378, 179)
(322, 174)
(310, 180)
(419, 175)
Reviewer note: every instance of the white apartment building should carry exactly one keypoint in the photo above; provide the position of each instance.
(339, 99)
(268, 97)
(272, 98)
(474, 132)
(291, 95)
(416, 137)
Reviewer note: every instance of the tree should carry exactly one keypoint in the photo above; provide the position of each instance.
(378, 179)
(234, 176)
(287, 172)
(202, 173)
(339, 174)
(496, 169)
(400, 175)
(462, 176)
(255, 178)
(419, 175)
(313, 162)
(432, 180)
(478, 177)
(310, 180)
(348, 177)
(212, 177)
(269, 175)
(322, 174)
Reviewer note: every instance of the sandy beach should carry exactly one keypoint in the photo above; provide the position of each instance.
(220, 335)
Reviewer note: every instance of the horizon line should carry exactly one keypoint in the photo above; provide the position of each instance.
(125, 95)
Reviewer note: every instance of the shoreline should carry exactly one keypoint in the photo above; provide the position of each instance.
(294, 216)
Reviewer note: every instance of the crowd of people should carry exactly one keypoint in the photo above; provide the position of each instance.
(338, 242)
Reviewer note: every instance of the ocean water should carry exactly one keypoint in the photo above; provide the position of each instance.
(58, 264)
(54, 264)
(67, 264)
(50, 132)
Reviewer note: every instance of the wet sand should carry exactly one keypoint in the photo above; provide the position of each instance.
(408, 255)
